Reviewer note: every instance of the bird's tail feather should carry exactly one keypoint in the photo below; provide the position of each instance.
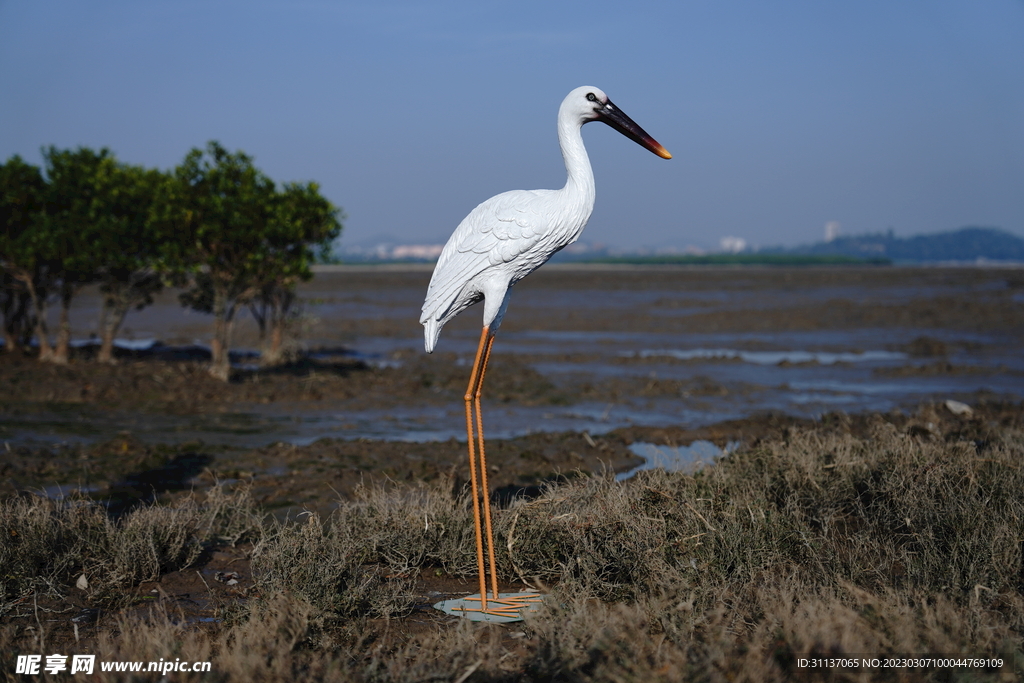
(431, 331)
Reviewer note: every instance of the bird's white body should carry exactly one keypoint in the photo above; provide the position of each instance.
(498, 244)
(512, 234)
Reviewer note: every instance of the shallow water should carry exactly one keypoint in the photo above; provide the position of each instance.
(735, 341)
(688, 458)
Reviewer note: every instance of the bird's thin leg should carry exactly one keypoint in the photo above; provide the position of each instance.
(483, 466)
(471, 391)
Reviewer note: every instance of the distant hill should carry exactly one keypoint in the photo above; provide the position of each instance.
(743, 259)
(965, 244)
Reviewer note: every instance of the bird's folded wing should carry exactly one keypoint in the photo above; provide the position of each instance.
(503, 227)
(500, 230)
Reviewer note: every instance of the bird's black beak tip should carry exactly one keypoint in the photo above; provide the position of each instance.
(614, 117)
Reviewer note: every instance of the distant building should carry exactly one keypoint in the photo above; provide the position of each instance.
(388, 251)
(426, 252)
(585, 249)
(732, 245)
(831, 230)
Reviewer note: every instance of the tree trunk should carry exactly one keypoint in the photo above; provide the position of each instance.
(63, 349)
(274, 355)
(104, 313)
(115, 307)
(42, 332)
(272, 352)
(220, 366)
(15, 319)
(259, 308)
(119, 297)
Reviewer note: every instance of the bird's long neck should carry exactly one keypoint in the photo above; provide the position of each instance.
(579, 186)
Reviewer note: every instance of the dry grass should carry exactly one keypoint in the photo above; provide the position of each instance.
(319, 566)
(405, 529)
(47, 545)
(824, 542)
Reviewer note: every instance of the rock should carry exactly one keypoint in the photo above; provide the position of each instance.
(958, 408)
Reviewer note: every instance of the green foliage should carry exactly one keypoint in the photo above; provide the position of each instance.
(81, 193)
(21, 204)
(24, 258)
(22, 197)
(244, 239)
(128, 244)
(305, 226)
(223, 205)
(239, 225)
(98, 227)
(216, 218)
(22, 191)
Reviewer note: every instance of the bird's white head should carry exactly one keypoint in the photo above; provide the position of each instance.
(583, 104)
(587, 103)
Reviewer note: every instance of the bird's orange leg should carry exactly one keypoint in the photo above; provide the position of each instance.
(472, 391)
(511, 605)
(483, 466)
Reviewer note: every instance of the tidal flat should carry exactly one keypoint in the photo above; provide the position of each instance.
(851, 511)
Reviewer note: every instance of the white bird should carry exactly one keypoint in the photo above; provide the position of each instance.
(499, 243)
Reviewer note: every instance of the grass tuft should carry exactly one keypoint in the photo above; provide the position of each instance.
(46, 545)
(316, 563)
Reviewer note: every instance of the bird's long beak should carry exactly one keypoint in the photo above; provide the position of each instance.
(615, 118)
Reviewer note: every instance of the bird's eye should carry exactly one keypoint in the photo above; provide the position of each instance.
(592, 97)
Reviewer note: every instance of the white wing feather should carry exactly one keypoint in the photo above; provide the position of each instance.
(507, 232)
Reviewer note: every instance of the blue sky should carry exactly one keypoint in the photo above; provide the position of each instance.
(781, 115)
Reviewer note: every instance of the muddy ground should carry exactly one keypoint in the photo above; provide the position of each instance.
(287, 480)
(383, 301)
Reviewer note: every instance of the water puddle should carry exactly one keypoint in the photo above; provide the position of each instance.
(62, 491)
(770, 357)
(687, 459)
